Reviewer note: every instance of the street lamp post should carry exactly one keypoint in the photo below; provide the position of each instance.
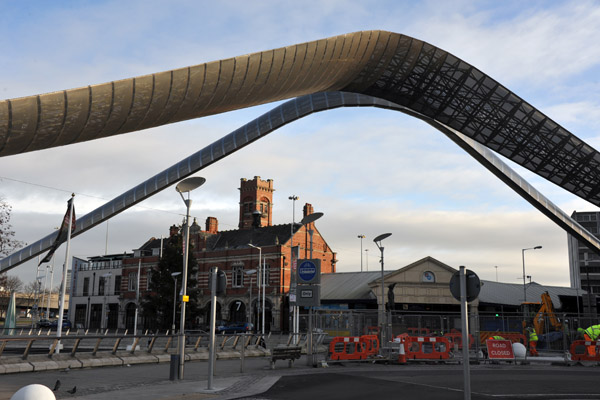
(361, 237)
(250, 272)
(308, 220)
(174, 275)
(367, 257)
(106, 288)
(260, 283)
(185, 186)
(382, 324)
(524, 276)
(292, 289)
(50, 291)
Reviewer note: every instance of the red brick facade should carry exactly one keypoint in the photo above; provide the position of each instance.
(230, 252)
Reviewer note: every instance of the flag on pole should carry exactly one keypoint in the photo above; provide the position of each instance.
(62, 231)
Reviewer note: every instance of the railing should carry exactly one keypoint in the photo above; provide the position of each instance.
(29, 342)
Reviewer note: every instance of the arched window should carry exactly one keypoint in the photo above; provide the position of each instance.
(237, 276)
(428, 277)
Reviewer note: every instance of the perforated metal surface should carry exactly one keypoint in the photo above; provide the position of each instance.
(427, 81)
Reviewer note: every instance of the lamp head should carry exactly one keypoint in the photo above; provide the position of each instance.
(189, 184)
(537, 247)
(381, 237)
(311, 218)
(174, 274)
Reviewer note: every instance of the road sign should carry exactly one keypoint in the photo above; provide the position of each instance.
(308, 296)
(473, 285)
(500, 350)
(309, 271)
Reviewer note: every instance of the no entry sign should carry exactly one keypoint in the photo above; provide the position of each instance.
(500, 350)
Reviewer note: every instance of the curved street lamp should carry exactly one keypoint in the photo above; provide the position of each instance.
(260, 282)
(524, 276)
(174, 275)
(361, 237)
(185, 186)
(382, 324)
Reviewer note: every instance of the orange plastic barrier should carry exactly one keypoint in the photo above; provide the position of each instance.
(455, 339)
(426, 348)
(579, 350)
(353, 347)
(514, 337)
(372, 344)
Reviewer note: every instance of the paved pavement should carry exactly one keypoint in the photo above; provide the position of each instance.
(347, 381)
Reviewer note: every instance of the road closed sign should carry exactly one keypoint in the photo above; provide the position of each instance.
(500, 349)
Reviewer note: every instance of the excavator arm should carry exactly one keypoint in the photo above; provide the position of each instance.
(546, 310)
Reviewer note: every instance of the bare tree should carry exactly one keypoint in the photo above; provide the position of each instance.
(8, 243)
(11, 284)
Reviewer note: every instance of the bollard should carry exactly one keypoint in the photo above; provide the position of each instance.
(174, 367)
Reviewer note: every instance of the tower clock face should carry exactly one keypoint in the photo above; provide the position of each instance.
(428, 276)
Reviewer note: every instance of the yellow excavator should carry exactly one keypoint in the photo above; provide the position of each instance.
(545, 310)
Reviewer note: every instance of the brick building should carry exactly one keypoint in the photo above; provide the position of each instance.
(231, 252)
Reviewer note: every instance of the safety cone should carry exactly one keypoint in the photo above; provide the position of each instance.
(402, 356)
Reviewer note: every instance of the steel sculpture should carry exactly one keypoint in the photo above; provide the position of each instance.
(394, 69)
(274, 119)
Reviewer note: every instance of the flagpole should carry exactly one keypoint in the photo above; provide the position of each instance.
(63, 290)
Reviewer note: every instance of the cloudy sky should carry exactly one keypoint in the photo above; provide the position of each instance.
(369, 171)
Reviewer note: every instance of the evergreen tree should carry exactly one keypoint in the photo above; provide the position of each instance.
(157, 304)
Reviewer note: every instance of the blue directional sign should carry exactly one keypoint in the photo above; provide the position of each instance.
(309, 271)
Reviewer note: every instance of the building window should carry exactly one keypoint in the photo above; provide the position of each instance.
(86, 286)
(237, 276)
(118, 285)
(101, 286)
(428, 277)
(132, 286)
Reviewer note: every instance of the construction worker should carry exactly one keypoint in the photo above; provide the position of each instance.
(533, 339)
(592, 333)
(496, 338)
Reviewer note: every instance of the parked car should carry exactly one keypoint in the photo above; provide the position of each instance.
(236, 327)
(66, 324)
(44, 323)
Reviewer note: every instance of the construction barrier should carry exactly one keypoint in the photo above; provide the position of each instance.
(353, 347)
(580, 350)
(425, 347)
(455, 339)
(514, 337)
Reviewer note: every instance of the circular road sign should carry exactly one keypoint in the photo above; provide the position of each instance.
(307, 271)
(473, 285)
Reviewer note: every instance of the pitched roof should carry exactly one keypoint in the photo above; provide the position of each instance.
(512, 293)
(349, 285)
(239, 238)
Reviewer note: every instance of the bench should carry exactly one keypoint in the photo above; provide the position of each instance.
(289, 353)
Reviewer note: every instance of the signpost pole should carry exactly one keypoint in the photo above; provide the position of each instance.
(464, 314)
(213, 315)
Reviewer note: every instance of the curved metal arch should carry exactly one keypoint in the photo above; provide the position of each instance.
(386, 65)
(274, 119)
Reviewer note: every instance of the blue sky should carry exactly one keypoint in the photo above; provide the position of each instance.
(369, 171)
